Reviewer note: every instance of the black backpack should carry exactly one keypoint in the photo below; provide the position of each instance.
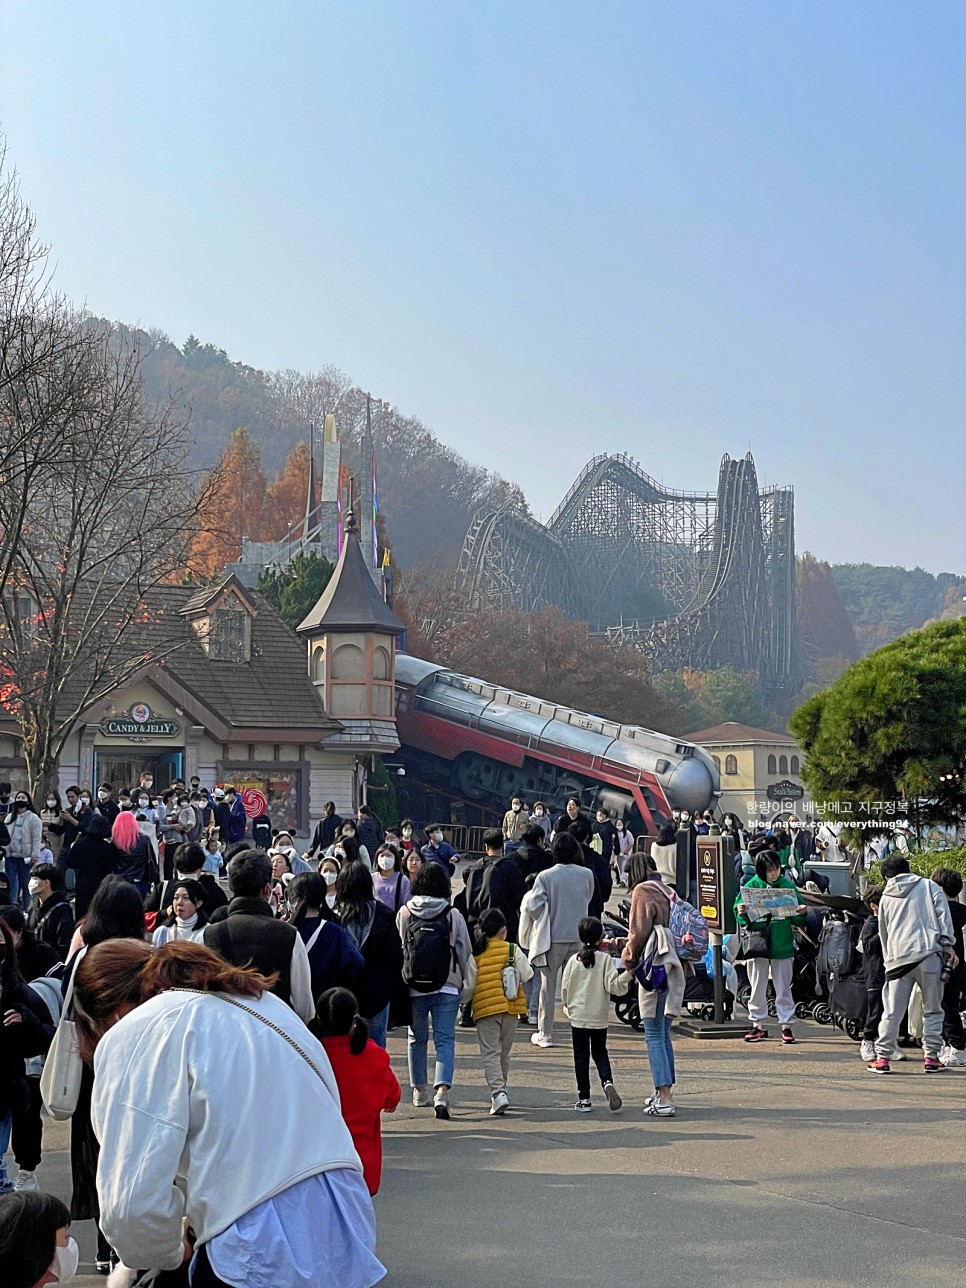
(428, 954)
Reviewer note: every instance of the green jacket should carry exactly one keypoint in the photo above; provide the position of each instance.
(781, 941)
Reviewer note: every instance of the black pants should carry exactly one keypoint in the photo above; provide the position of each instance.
(28, 1130)
(952, 1020)
(587, 1043)
(873, 1014)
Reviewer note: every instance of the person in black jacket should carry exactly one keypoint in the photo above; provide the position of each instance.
(372, 928)
(27, 1030)
(495, 881)
(50, 918)
(250, 935)
(93, 857)
(326, 830)
(599, 864)
(369, 830)
(533, 856)
(610, 840)
(33, 958)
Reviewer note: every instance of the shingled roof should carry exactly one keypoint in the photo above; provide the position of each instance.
(732, 731)
(271, 692)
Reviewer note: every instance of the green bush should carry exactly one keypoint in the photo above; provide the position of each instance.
(925, 864)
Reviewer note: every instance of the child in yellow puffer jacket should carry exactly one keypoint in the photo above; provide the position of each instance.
(495, 1014)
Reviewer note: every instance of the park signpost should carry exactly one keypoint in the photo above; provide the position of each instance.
(716, 900)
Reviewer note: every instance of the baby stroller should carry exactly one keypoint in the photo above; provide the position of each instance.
(625, 1008)
(839, 965)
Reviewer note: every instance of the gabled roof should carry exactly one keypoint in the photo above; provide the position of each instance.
(351, 601)
(732, 731)
(207, 596)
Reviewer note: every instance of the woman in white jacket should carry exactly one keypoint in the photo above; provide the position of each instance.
(184, 1173)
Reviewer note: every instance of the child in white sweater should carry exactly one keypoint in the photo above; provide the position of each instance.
(589, 979)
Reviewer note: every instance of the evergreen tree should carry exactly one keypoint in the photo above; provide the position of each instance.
(294, 591)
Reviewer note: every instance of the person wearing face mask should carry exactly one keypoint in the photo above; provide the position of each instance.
(515, 820)
(36, 1247)
(688, 857)
(334, 959)
(105, 804)
(354, 850)
(412, 837)
(50, 819)
(540, 818)
(329, 870)
(803, 843)
(188, 919)
(391, 885)
(50, 919)
(440, 851)
(23, 848)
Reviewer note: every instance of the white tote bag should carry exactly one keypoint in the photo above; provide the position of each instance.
(60, 1082)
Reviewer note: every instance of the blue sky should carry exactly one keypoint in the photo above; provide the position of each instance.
(548, 229)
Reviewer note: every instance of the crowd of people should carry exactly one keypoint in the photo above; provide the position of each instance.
(307, 962)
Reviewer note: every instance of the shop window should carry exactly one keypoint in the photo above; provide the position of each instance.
(228, 636)
(772, 765)
(731, 764)
(794, 766)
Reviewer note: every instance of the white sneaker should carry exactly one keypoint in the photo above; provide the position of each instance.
(896, 1055)
(532, 1021)
(500, 1104)
(421, 1098)
(867, 1051)
(541, 1039)
(26, 1180)
(441, 1102)
(950, 1057)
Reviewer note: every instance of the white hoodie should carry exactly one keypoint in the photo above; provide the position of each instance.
(914, 921)
(179, 1108)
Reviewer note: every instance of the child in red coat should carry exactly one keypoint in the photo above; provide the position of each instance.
(367, 1085)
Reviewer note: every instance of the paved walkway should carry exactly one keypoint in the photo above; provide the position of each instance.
(786, 1168)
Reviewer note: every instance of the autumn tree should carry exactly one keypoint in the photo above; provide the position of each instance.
(824, 627)
(233, 508)
(287, 495)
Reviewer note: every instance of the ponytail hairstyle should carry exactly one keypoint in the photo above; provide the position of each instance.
(490, 924)
(337, 1016)
(591, 932)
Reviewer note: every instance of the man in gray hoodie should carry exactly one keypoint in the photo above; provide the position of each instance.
(916, 933)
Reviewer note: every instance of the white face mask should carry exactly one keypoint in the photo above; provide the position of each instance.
(329, 878)
(437, 837)
(33, 885)
(386, 863)
(143, 803)
(51, 802)
(538, 813)
(64, 1264)
(85, 800)
(330, 900)
(102, 796)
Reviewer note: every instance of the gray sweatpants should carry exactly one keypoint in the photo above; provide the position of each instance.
(557, 958)
(895, 1002)
(495, 1036)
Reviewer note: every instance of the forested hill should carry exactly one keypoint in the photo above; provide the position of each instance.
(884, 603)
(427, 492)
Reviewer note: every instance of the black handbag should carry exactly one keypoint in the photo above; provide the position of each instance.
(754, 941)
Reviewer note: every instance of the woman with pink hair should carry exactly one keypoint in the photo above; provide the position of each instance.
(138, 862)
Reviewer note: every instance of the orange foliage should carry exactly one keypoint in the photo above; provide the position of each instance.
(235, 507)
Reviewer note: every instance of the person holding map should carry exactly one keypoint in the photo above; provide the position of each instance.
(769, 903)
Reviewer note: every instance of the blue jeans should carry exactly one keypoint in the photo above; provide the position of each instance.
(443, 1007)
(17, 880)
(6, 1127)
(660, 1052)
(378, 1026)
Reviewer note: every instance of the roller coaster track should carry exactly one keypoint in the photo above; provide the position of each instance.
(690, 578)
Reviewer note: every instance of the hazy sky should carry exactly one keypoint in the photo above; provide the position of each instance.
(547, 229)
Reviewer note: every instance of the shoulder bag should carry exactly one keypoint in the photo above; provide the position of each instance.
(754, 941)
(60, 1082)
(510, 976)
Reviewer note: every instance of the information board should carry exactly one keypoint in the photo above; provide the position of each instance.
(716, 883)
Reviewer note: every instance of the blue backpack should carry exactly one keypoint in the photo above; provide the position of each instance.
(687, 921)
